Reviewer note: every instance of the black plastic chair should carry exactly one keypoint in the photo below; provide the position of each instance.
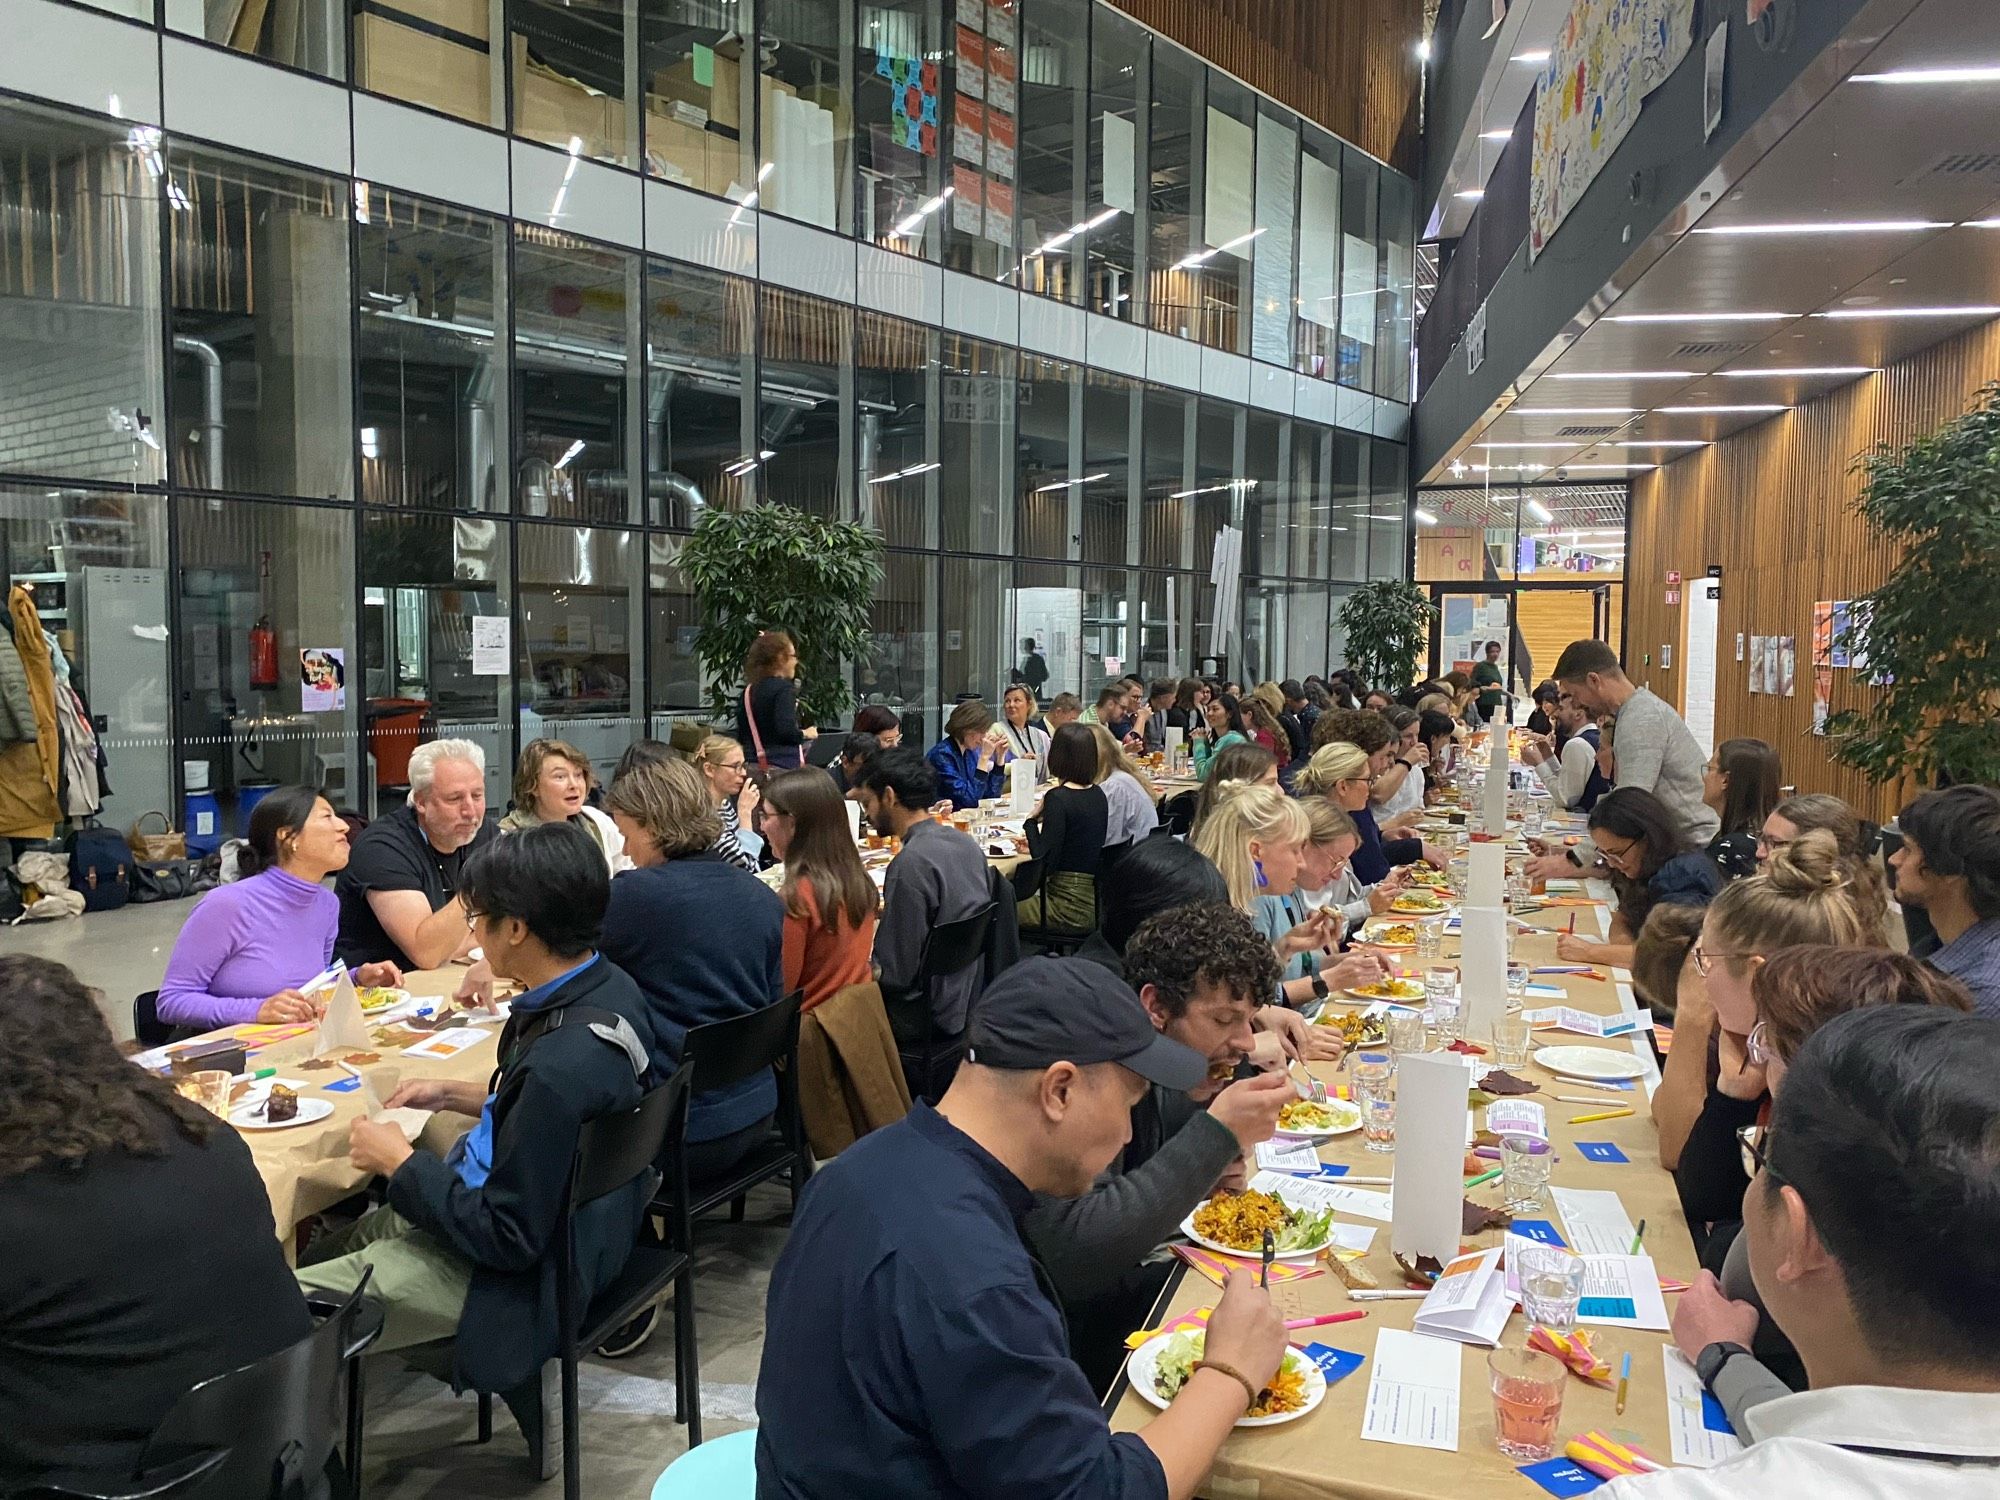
(727, 1052)
(951, 948)
(147, 1027)
(268, 1430)
(1177, 814)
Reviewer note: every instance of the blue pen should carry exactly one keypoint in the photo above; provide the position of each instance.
(1624, 1381)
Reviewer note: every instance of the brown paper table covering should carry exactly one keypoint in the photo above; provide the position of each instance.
(1323, 1454)
(306, 1169)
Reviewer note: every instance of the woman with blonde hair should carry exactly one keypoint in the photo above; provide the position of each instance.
(1709, 1087)
(1240, 761)
(767, 715)
(1128, 792)
(1305, 932)
(830, 903)
(1339, 771)
(725, 771)
(551, 782)
(971, 759)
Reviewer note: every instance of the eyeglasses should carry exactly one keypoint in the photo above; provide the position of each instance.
(1758, 1046)
(1753, 1144)
(1611, 855)
(1704, 961)
(1765, 841)
(473, 919)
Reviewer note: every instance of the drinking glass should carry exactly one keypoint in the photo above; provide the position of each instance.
(209, 1088)
(1518, 975)
(1441, 1000)
(1510, 1042)
(1378, 1116)
(1527, 1401)
(1525, 1163)
(1532, 818)
(1371, 1068)
(1551, 1281)
(1430, 937)
(1407, 1035)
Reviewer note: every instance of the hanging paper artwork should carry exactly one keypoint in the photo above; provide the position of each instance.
(1000, 212)
(1001, 73)
(913, 100)
(999, 144)
(971, 63)
(968, 197)
(968, 136)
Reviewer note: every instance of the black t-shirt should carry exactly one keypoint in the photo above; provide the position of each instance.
(124, 1283)
(394, 855)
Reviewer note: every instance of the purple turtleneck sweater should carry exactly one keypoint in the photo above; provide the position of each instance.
(243, 943)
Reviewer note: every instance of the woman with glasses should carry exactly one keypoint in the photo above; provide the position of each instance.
(726, 772)
(1026, 739)
(1709, 1085)
(1650, 863)
(1338, 771)
(1795, 992)
(1740, 786)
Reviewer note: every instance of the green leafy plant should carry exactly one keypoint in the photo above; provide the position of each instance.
(1388, 624)
(777, 568)
(1928, 633)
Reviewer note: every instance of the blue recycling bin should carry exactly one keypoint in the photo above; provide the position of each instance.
(247, 798)
(204, 824)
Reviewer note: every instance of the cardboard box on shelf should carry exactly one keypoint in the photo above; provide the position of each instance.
(721, 96)
(554, 110)
(413, 65)
(468, 18)
(674, 151)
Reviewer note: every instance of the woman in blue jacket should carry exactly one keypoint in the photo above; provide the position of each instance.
(971, 759)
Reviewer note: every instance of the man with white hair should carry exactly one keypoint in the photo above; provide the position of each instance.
(399, 893)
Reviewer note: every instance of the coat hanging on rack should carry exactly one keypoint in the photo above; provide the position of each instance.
(31, 771)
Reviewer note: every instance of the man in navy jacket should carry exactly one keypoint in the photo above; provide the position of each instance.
(463, 1249)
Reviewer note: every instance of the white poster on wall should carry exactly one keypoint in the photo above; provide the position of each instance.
(1120, 144)
(1228, 198)
(1357, 289)
(492, 647)
(1319, 241)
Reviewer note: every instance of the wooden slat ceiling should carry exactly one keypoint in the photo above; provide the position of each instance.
(1350, 66)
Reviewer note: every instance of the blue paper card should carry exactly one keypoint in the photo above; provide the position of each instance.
(345, 1086)
(1607, 1307)
(1713, 1417)
(1333, 1363)
(1537, 1229)
(1601, 1151)
(1559, 1476)
(1332, 1169)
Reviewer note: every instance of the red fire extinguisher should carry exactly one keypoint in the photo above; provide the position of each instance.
(263, 642)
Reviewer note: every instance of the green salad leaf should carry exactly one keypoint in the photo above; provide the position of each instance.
(1176, 1363)
(1304, 1230)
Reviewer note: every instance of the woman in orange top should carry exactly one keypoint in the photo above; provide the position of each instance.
(830, 902)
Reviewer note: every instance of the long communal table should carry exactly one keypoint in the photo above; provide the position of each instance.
(1323, 1454)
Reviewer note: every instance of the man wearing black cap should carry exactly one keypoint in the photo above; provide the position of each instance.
(912, 1345)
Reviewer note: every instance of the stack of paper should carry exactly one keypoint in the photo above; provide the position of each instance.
(1413, 1393)
(1470, 1302)
(1317, 1194)
(1595, 1220)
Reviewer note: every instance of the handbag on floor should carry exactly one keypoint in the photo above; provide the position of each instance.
(163, 880)
(165, 844)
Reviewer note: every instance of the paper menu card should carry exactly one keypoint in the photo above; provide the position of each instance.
(1431, 1118)
(1282, 1155)
(1695, 1443)
(1569, 1018)
(1469, 1303)
(1595, 1220)
(1317, 1194)
(342, 1027)
(1020, 787)
(1413, 1392)
(447, 1043)
(1622, 1291)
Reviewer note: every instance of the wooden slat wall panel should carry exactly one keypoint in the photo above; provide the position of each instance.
(1350, 65)
(1774, 507)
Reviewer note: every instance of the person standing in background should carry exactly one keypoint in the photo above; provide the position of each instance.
(1034, 670)
(767, 715)
(1657, 752)
(1491, 677)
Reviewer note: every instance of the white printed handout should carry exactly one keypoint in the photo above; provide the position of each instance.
(1582, 1022)
(1413, 1391)
(1695, 1443)
(1317, 1194)
(1595, 1221)
(1283, 1155)
(448, 1043)
(1469, 1301)
(1622, 1291)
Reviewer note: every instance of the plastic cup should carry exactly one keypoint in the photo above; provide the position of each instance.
(209, 1088)
(1527, 1401)
(1407, 1034)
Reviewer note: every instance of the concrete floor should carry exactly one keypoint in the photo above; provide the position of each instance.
(420, 1438)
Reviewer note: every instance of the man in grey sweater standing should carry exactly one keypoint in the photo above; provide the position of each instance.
(1201, 971)
(1655, 749)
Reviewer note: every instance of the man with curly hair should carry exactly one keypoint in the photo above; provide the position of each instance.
(1201, 971)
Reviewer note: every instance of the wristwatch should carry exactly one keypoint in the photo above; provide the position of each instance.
(1708, 1364)
(1320, 987)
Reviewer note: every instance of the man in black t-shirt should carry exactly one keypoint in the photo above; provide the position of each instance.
(399, 893)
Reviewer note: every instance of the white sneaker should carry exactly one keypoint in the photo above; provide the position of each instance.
(552, 1424)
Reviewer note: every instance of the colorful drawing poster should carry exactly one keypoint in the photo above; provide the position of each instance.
(972, 13)
(971, 63)
(1837, 655)
(1608, 56)
(1788, 666)
(913, 101)
(1000, 212)
(1001, 73)
(968, 136)
(968, 200)
(1756, 677)
(999, 144)
(323, 680)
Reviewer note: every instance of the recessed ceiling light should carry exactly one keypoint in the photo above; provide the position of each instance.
(1659, 443)
(1576, 411)
(1537, 58)
(1624, 375)
(1855, 226)
(1472, 193)
(1496, 135)
(1689, 411)
(1802, 371)
(1700, 317)
(1981, 224)
(1424, 517)
(1911, 312)
(1982, 74)
(1556, 443)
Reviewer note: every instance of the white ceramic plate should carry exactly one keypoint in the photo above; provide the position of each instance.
(1444, 906)
(1370, 936)
(1415, 998)
(247, 1116)
(1143, 1368)
(1346, 1120)
(397, 998)
(1590, 1062)
(1253, 1256)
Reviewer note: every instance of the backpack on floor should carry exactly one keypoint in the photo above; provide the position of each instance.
(100, 868)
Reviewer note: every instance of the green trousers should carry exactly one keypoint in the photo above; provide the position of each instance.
(420, 1282)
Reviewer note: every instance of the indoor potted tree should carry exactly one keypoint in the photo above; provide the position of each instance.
(1927, 635)
(778, 568)
(1388, 624)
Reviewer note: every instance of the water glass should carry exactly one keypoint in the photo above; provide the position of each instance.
(1551, 1281)
(1510, 1042)
(1518, 975)
(209, 1088)
(1370, 1069)
(1527, 1401)
(1532, 818)
(1407, 1034)
(1378, 1115)
(1430, 937)
(1525, 1163)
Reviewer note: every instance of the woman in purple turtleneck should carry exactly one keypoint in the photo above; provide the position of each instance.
(247, 946)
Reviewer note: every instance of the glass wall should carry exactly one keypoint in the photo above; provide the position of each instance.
(1115, 165)
(804, 441)
(436, 53)
(1173, 143)
(701, 368)
(805, 64)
